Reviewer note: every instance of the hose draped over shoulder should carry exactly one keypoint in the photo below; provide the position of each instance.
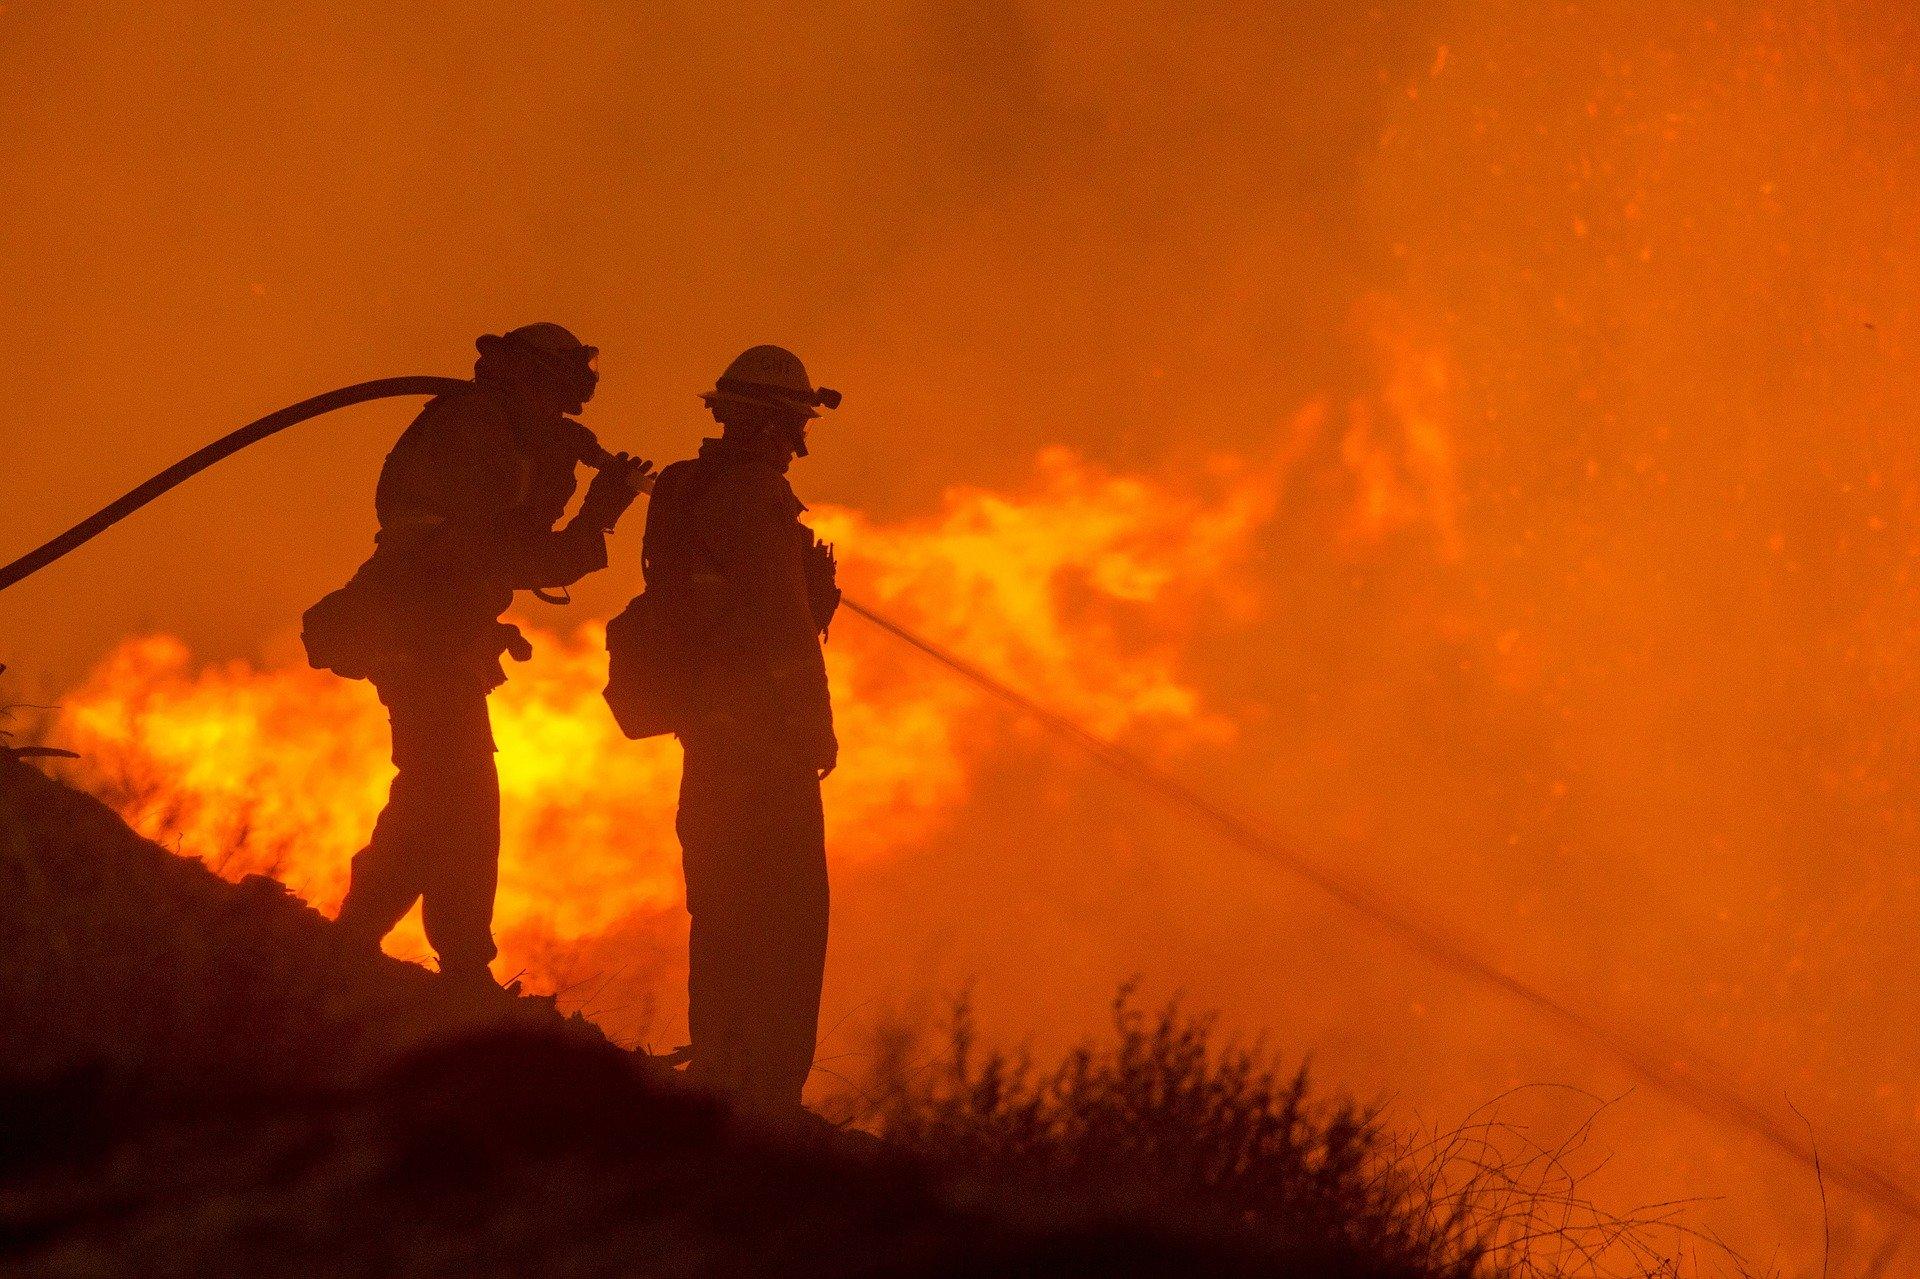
(188, 467)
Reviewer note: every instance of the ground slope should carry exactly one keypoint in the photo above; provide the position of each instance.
(196, 1079)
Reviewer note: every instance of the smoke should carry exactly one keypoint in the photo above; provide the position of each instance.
(1571, 347)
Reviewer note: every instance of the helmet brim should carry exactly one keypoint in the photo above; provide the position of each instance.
(764, 401)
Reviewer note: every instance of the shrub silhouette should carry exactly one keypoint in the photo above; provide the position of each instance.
(1165, 1121)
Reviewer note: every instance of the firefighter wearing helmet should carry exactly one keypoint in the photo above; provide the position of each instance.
(468, 502)
(739, 597)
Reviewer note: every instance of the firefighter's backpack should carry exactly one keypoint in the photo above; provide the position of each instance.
(351, 631)
(642, 658)
(659, 647)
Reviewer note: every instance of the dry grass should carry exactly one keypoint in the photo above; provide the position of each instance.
(24, 725)
(1165, 1120)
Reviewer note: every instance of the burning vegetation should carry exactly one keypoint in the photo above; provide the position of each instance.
(1085, 584)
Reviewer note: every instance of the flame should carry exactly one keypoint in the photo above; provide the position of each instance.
(1084, 586)
(1397, 447)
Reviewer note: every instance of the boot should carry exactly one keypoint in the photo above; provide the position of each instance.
(477, 979)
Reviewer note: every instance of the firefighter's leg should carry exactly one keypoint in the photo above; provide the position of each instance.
(793, 923)
(720, 949)
(384, 883)
(464, 863)
(390, 872)
(756, 887)
(701, 825)
(720, 974)
(457, 908)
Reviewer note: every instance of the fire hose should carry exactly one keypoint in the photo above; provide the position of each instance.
(1692, 1090)
(186, 468)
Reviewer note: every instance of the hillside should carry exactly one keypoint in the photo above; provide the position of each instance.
(195, 1079)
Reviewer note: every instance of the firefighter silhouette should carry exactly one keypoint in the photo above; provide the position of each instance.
(724, 649)
(468, 501)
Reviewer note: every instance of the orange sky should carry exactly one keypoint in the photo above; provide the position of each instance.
(1584, 618)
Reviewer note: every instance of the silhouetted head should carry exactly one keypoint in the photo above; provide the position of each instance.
(543, 363)
(765, 400)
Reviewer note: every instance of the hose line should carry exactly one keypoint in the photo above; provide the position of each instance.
(1704, 1090)
(86, 530)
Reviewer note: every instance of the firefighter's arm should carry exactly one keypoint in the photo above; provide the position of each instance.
(543, 558)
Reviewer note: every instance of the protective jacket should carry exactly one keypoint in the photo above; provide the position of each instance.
(726, 551)
(467, 502)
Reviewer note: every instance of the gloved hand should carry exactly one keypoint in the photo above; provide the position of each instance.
(613, 489)
(508, 640)
(823, 591)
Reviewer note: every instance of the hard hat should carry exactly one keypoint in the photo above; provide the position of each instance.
(774, 377)
(575, 364)
(551, 339)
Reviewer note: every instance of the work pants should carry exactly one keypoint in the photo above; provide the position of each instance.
(753, 844)
(438, 839)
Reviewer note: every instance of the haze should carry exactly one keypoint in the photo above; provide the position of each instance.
(1567, 353)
